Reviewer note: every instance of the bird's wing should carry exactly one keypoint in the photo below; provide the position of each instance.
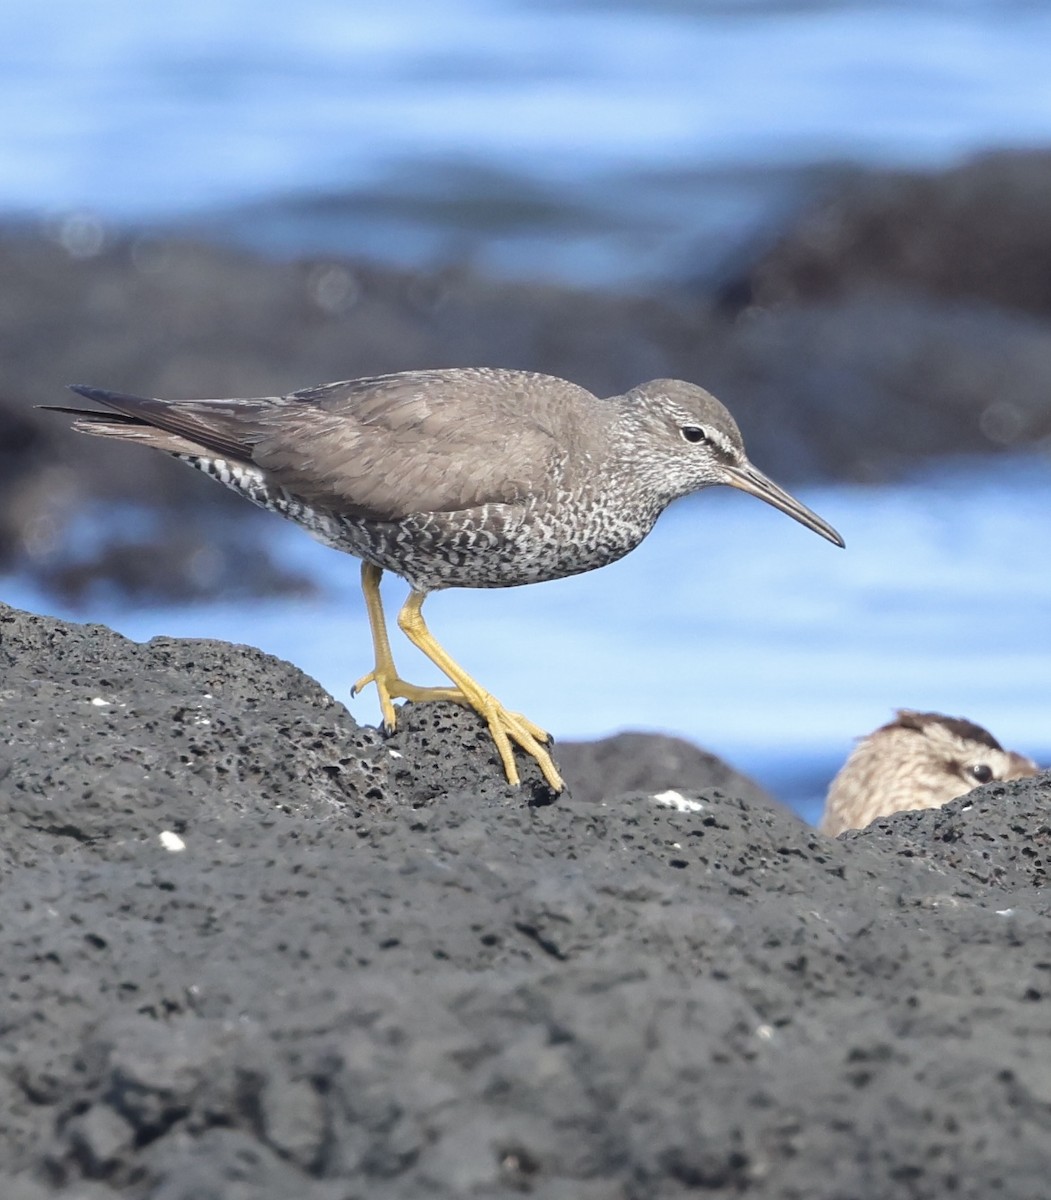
(422, 441)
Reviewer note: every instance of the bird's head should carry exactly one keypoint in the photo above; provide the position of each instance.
(918, 760)
(954, 755)
(691, 441)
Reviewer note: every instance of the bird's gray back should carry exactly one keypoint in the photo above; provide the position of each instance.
(387, 447)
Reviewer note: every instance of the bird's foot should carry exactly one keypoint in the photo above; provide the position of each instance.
(391, 687)
(507, 727)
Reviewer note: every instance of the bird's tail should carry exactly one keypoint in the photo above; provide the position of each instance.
(177, 427)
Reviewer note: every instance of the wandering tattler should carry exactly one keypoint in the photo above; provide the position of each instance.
(457, 478)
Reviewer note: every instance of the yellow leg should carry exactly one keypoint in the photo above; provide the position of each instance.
(385, 675)
(504, 726)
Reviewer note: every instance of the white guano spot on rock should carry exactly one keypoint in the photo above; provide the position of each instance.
(677, 801)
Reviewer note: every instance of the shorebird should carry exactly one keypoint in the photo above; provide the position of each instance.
(472, 477)
(918, 760)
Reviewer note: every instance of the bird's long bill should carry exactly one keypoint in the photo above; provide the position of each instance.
(755, 483)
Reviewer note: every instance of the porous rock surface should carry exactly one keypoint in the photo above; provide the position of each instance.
(373, 970)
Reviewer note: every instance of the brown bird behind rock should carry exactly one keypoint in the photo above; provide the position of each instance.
(458, 478)
(918, 760)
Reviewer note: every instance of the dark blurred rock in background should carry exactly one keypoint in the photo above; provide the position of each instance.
(899, 317)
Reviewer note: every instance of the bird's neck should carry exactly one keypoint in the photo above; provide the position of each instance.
(650, 483)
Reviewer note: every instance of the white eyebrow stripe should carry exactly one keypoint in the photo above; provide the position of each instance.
(722, 441)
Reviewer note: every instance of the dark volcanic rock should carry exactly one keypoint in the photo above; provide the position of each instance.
(980, 231)
(912, 301)
(859, 378)
(175, 318)
(249, 952)
(631, 762)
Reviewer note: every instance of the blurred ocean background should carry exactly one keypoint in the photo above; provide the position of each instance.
(593, 141)
(628, 146)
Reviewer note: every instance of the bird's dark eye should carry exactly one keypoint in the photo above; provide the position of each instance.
(981, 771)
(693, 433)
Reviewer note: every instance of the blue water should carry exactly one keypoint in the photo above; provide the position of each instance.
(730, 625)
(595, 141)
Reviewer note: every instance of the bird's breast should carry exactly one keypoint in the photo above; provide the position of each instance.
(498, 545)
